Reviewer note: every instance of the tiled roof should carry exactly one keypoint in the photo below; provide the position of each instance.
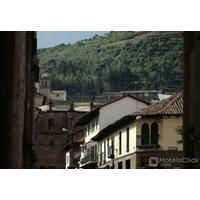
(170, 106)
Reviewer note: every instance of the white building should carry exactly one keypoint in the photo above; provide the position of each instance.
(58, 95)
(101, 117)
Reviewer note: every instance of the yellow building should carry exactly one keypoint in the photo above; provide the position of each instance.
(145, 139)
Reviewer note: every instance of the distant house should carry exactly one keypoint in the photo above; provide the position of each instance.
(44, 88)
(100, 118)
(58, 95)
(145, 139)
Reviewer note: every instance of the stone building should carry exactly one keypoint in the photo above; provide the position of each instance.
(53, 129)
(19, 71)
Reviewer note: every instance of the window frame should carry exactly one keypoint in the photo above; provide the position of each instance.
(127, 139)
(120, 143)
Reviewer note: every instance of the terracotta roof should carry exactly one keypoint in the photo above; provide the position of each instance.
(170, 106)
(94, 113)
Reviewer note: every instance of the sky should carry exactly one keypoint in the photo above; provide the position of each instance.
(52, 38)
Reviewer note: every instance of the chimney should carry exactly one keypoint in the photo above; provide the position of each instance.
(91, 106)
(71, 107)
(50, 105)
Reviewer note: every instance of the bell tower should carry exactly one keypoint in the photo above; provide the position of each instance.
(45, 85)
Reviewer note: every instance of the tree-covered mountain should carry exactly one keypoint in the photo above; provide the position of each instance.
(116, 61)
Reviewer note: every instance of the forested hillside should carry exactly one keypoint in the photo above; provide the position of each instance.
(116, 61)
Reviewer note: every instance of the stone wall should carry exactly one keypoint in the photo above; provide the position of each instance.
(16, 70)
(50, 143)
(191, 97)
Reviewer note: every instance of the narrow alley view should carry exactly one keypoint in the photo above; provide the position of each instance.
(99, 100)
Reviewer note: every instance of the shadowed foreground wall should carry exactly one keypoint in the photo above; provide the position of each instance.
(192, 97)
(17, 75)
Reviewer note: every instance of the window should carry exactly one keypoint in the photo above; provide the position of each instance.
(120, 165)
(128, 164)
(96, 124)
(51, 124)
(91, 126)
(104, 159)
(108, 146)
(113, 146)
(100, 153)
(120, 143)
(154, 133)
(127, 140)
(57, 95)
(145, 134)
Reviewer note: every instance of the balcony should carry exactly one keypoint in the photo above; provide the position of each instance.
(88, 159)
(147, 143)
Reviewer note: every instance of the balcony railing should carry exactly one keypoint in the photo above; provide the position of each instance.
(88, 159)
(147, 143)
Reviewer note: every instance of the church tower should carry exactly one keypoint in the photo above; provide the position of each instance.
(45, 85)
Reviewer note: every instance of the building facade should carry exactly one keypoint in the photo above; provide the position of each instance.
(151, 133)
(53, 131)
(100, 118)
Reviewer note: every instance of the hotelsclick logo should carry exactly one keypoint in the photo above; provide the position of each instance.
(153, 161)
(164, 162)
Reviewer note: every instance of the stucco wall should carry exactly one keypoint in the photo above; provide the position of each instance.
(132, 141)
(116, 110)
(168, 136)
(58, 96)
